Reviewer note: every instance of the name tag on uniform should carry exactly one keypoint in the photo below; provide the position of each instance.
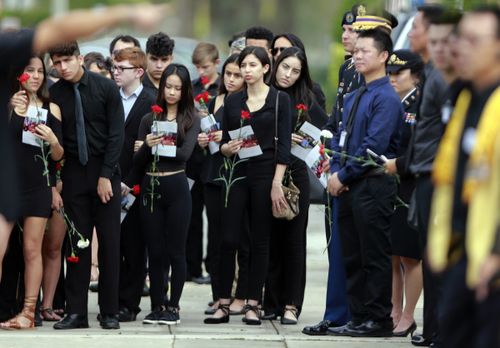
(343, 134)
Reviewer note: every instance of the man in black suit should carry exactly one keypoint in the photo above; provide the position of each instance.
(128, 71)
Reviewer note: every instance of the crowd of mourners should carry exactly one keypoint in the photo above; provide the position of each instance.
(110, 164)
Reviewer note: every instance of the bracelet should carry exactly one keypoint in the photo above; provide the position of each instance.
(95, 264)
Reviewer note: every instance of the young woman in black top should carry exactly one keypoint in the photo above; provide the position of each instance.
(37, 194)
(232, 83)
(166, 224)
(285, 285)
(261, 190)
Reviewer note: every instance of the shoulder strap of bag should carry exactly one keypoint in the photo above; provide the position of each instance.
(276, 126)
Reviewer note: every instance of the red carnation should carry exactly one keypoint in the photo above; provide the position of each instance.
(202, 97)
(322, 149)
(245, 115)
(204, 80)
(302, 107)
(58, 166)
(73, 259)
(156, 109)
(136, 190)
(24, 78)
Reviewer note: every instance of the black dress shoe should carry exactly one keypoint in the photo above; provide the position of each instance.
(372, 328)
(405, 333)
(126, 315)
(109, 321)
(319, 329)
(342, 330)
(72, 321)
(420, 341)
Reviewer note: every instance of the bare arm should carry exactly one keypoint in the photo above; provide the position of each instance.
(81, 23)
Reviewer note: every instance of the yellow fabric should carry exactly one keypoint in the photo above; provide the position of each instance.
(481, 187)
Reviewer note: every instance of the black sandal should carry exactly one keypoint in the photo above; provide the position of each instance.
(48, 314)
(256, 310)
(286, 321)
(225, 319)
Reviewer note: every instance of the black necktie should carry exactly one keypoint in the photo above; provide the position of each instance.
(350, 121)
(81, 138)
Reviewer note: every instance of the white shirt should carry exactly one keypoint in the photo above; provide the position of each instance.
(128, 102)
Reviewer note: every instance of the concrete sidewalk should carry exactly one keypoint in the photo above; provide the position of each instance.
(193, 333)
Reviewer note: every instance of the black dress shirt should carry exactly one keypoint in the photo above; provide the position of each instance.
(262, 122)
(212, 89)
(148, 84)
(103, 114)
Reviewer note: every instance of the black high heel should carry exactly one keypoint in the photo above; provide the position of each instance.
(222, 320)
(254, 309)
(405, 333)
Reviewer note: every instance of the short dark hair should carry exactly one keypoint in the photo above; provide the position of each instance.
(97, 58)
(65, 49)
(294, 40)
(381, 39)
(490, 9)
(430, 13)
(160, 45)
(449, 17)
(260, 33)
(261, 55)
(124, 38)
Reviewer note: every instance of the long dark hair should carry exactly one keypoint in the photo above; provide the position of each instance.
(185, 107)
(301, 90)
(261, 55)
(294, 40)
(43, 91)
(232, 59)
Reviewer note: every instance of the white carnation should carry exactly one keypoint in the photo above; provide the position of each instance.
(325, 133)
(82, 244)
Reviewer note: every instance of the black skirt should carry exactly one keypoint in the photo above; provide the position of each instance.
(406, 241)
(36, 203)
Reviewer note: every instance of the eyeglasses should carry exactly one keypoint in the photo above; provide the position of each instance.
(120, 69)
(278, 50)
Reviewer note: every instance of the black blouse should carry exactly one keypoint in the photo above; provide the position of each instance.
(30, 168)
(185, 145)
(262, 122)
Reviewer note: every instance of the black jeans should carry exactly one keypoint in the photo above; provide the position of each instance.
(365, 228)
(285, 284)
(194, 246)
(432, 282)
(85, 209)
(165, 230)
(463, 321)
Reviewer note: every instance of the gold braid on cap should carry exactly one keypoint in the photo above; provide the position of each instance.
(371, 22)
(394, 60)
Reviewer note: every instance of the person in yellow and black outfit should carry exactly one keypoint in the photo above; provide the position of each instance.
(464, 215)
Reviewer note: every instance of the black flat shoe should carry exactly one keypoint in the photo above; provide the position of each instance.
(109, 321)
(287, 321)
(405, 333)
(265, 316)
(320, 329)
(342, 330)
(72, 321)
(126, 315)
(420, 341)
(222, 320)
(256, 310)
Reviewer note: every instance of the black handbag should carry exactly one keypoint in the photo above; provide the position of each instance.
(291, 192)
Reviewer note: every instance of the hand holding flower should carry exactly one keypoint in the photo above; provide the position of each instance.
(20, 101)
(153, 139)
(57, 202)
(203, 140)
(390, 166)
(232, 147)
(45, 133)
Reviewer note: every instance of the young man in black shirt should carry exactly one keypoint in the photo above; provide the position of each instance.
(159, 54)
(93, 137)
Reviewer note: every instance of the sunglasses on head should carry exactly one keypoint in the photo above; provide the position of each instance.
(278, 50)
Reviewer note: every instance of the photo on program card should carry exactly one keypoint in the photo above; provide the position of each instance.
(310, 135)
(210, 126)
(168, 145)
(34, 117)
(250, 146)
(315, 163)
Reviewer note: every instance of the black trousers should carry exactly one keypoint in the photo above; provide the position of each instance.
(194, 247)
(214, 204)
(85, 209)
(254, 194)
(365, 229)
(12, 283)
(165, 230)
(132, 259)
(463, 321)
(285, 284)
(432, 282)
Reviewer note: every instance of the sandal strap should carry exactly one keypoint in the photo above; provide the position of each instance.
(250, 308)
(292, 310)
(224, 308)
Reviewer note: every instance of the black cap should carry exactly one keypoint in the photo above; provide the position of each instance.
(350, 16)
(404, 59)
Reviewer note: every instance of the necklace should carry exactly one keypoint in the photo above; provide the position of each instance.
(172, 120)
